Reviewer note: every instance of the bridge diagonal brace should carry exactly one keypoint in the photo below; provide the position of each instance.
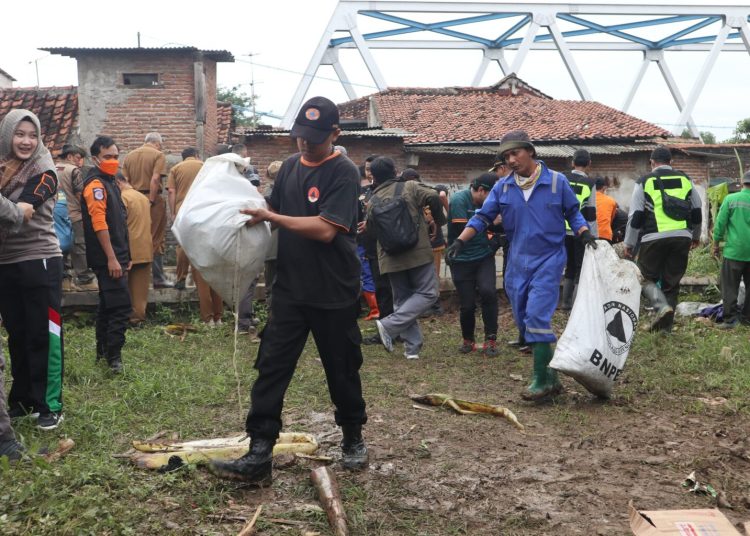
(658, 57)
(523, 50)
(490, 55)
(700, 82)
(331, 57)
(567, 58)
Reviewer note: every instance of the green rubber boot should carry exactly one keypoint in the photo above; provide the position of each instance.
(545, 381)
(553, 380)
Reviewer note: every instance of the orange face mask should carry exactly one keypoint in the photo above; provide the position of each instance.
(109, 167)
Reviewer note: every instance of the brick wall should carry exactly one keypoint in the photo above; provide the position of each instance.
(127, 114)
(456, 171)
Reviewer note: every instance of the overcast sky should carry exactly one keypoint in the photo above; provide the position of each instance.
(282, 35)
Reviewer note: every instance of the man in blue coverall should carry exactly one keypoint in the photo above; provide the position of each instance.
(535, 202)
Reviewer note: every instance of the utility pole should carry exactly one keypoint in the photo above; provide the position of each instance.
(36, 67)
(252, 86)
(139, 39)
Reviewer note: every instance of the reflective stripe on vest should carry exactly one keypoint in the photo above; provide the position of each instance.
(583, 192)
(674, 185)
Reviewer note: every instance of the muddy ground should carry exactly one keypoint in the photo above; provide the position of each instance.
(574, 471)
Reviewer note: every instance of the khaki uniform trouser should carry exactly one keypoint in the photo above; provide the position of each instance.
(211, 305)
(139, 278)
(183, 264)
(158, 224)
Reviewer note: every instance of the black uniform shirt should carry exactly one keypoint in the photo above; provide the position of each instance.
(311, 272)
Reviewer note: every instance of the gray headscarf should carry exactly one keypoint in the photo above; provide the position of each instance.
(40, 160)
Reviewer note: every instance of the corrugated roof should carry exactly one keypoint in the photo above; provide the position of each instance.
(360, 132)
(6, 75)
(544, 151)
(73, 52)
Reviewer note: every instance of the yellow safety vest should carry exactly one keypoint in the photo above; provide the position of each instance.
(675, 185)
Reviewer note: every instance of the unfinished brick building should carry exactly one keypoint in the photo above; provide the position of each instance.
(128, 92)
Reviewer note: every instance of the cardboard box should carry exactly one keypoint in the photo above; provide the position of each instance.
(680, 523)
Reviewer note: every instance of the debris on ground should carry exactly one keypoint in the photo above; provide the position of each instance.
(693, 486)
(63, 447)
(330, 498)
(168, 455)
(180, 330)
(249, 529)
(464, 407)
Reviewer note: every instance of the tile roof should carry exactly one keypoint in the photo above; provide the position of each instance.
(223, 121)
(471, 115)
(56, 108)
(74, 52)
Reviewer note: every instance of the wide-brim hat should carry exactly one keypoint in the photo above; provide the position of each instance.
(515, 139)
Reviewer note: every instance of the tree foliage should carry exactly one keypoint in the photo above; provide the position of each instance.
(242, 105)
(741, 132)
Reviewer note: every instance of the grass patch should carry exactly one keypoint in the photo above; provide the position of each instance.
(702, 263)
(189, 387)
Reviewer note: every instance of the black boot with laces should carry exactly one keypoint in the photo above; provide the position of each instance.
(354, 450)
(254, 467)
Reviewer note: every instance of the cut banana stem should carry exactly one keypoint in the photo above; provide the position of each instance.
(465, 407)
(234, 441)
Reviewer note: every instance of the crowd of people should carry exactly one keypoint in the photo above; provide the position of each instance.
(342, 234)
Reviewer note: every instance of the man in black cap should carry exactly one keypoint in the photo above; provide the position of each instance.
(314, 205)
(585, 190)
(473, 269)
(667, 209)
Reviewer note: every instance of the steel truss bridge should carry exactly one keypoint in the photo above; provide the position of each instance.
(530, 26)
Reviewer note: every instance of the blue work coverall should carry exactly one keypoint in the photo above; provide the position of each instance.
(536, 258)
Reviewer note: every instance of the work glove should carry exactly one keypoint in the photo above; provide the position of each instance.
(498, 241)
(588, 239)
(454, 250)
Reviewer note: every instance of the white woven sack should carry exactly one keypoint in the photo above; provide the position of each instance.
(595, 344)
(211, 230)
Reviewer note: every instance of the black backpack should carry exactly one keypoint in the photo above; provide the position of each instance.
(392, 223)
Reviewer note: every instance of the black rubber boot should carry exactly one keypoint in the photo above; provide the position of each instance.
(355, 456)
(253, 468)
(101, 352)
(114, 360)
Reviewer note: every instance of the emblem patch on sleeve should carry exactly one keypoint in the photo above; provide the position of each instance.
(99, 194)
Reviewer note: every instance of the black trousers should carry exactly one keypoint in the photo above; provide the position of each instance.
(383, 292)
(30, 300)
(665, 260)
(732, 272)
(574, 248)
(468, 278)
(112, 313)
(337, 338)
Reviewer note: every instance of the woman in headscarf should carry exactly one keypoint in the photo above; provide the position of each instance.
(31, 273)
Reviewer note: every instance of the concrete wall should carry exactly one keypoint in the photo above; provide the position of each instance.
(107, 106)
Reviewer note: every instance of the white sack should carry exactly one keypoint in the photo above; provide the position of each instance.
(595, 344)
(211, 230)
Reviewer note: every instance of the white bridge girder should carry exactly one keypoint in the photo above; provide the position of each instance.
(538, 15)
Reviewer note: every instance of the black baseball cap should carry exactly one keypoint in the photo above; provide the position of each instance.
(485, 180)
(315, 121)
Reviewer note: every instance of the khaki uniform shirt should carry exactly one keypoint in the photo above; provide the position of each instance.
(141, 164)
(181, 177)
(139, 225)
(70, 181)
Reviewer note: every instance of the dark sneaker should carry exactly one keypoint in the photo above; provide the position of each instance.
(490, 348)
(354, 451)
(728, 325)
(373, 339)
(384, 337)
(254, 467)
(49, 421)
(467, 347)
(116, 366)
(180, 285)
(12, 449)
(20, 413)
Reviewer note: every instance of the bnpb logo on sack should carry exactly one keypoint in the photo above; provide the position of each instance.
(620, 321)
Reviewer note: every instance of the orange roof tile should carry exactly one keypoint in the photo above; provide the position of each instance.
(56, 108)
